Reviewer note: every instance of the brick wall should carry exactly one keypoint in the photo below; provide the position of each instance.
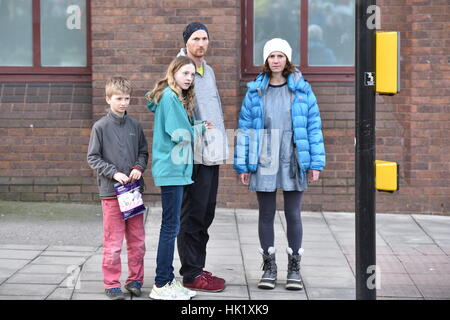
(139, 38)
(422, 109)
(44, 129)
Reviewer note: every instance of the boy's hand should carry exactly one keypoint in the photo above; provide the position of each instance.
(122, 178)
(135, 175)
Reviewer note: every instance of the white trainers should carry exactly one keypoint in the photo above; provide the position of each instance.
(168, 292)
(178, 286)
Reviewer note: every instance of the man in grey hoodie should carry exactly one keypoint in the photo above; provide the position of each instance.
(199, 201)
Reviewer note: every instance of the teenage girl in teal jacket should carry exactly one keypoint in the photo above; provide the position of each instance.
(172, 101)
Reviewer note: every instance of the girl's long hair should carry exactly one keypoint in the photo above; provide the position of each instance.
(187, 97)
(288, 69)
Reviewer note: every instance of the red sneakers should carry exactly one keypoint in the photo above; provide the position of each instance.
(209, 275)
(206, 282)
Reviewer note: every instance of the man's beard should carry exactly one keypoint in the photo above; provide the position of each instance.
(198, 53)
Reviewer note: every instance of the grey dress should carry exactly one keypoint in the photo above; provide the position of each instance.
(277, 166)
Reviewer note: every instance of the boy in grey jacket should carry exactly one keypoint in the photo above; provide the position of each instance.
(118, 152)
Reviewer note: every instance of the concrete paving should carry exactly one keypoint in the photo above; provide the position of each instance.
(413, 256)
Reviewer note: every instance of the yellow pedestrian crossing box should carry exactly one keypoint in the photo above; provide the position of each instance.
(386, 176)
(387, 70)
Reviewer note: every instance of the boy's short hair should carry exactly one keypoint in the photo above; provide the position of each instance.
(117, 85)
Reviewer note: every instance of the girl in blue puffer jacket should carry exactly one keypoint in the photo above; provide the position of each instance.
(279, 146)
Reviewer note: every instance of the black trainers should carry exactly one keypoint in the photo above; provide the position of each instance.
(269, 277)
(115, 294)
(294, 279)
(134, 287)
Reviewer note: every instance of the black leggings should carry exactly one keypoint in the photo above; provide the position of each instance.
(267, 207)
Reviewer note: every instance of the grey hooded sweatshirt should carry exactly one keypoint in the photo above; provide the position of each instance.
(212, 147)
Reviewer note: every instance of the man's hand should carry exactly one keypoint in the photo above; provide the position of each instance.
(121, 178)
(135, 175)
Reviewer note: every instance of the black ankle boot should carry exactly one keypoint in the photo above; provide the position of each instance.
(294, 279)
(269, 277)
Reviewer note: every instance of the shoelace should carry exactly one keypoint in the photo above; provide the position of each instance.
(177, 285)
(294, 264)
(267, 265)
(207, 275)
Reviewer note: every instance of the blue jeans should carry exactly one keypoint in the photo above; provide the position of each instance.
(171, 197)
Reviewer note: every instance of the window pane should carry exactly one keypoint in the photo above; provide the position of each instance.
(63, 33)
(16, 33)
(276, 19)
(331, 33)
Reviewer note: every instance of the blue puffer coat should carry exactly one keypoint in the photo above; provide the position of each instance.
(306, 124)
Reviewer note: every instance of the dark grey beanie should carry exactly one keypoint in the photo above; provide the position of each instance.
(191, 28)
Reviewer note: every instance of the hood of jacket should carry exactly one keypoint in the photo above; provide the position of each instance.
(295, 82)
(182, 52)
(151, 105)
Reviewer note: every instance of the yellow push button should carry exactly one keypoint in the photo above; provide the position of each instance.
(386, 176)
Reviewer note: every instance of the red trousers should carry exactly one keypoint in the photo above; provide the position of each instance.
(114, 231)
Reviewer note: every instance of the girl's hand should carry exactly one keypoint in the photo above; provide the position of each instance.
(207, 124)
(245, 178)
(313, 175)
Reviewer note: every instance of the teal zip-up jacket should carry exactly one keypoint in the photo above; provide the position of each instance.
(173, 134)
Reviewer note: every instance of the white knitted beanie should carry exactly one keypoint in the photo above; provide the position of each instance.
(277, 44)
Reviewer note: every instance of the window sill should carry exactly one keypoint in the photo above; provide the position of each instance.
(8, 74)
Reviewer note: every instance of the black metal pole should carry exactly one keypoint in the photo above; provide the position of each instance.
(365, 151)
